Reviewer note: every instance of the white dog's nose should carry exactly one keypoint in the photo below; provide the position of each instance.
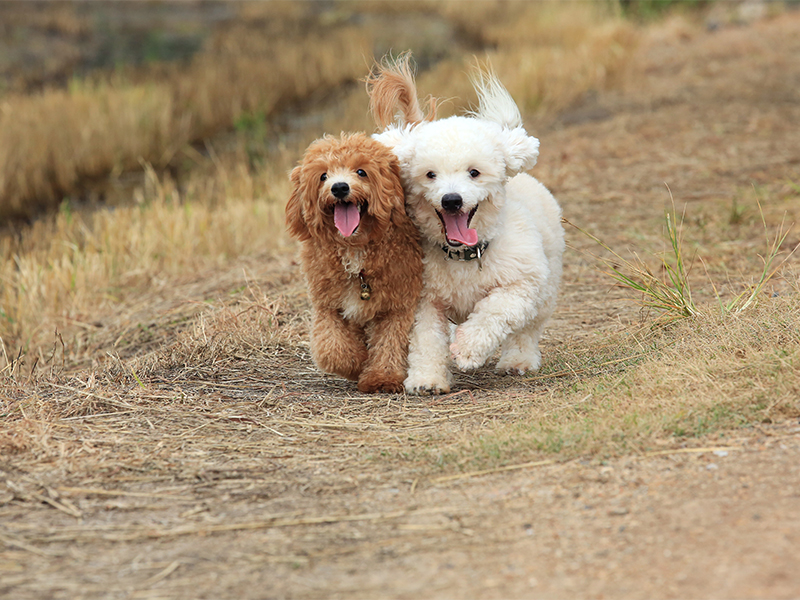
(452, 202)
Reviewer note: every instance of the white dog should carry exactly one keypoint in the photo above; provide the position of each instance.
(492, 235)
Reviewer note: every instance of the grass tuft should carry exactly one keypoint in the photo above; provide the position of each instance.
(750, 295)
(671, 292)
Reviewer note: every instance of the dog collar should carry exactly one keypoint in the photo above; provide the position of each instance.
(465, 252)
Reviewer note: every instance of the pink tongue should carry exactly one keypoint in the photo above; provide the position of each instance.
(346, 217)
(457, 230)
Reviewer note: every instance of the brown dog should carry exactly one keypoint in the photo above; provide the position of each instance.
(361, 257)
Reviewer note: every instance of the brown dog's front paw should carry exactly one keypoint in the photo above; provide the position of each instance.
(374, 382)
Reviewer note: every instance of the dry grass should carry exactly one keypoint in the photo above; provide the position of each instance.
(202, 450)
(114, 123)
(549, 55)
(668, 289)
(244, 363)
(59, 25)
(644, 389)
(65, 269)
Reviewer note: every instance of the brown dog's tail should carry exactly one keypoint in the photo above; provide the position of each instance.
(393, 93)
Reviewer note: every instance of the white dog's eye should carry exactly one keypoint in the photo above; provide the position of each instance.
(430, 175)
(361, 173)
(323, 177)
(474, 173)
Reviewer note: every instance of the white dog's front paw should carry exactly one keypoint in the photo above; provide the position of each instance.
(426, 384)
(469, 351)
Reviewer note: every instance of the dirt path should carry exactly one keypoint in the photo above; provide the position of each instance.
(249, 475)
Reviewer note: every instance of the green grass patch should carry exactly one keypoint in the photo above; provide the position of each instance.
(702, 376)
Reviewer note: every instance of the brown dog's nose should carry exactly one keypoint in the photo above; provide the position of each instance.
(340, 189)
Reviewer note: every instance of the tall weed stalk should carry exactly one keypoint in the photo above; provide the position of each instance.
(750, 295)
(671, 292)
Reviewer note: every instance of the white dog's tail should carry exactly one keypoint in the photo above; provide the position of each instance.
(393, 93)
(494, 102)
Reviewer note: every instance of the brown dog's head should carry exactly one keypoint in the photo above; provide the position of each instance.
(345, 189)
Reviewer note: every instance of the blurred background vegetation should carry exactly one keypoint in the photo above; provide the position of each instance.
(140, 140)
(95, 89)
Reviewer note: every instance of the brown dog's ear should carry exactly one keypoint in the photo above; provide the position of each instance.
(391, 200)
(295, 223)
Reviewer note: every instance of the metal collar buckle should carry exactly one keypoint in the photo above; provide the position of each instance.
(466, 253)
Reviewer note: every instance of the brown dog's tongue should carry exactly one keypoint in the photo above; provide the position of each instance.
(457, 230)
(346, 217)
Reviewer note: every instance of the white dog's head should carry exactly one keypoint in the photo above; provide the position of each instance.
(455, 169)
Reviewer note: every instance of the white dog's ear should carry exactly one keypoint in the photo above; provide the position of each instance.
(521, 150)
(391, 137)
(395, 139)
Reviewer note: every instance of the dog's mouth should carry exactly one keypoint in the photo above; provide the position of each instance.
(456, 227)
(347, 217)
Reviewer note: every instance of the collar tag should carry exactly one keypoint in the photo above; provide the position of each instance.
(366, 290)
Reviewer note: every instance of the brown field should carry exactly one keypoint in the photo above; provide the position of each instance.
(172, 439)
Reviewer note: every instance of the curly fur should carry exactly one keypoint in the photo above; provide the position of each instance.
(391, 87)
(362, 340)
(504, 300)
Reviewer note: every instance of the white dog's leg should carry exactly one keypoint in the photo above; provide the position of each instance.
(428, 358)
(503, 311)
(520, 350)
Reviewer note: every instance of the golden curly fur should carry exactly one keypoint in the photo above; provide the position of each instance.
(391, 86)
(347, 209)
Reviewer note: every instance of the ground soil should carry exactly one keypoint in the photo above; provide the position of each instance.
(238, 481)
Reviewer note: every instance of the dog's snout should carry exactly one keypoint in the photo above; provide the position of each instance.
(340, 189)
(452, 202)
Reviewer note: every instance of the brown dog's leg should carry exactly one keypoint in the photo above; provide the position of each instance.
(337, 346)
(385, 368)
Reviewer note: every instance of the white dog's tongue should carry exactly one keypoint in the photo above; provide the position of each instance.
(346, 217)
(457, 230)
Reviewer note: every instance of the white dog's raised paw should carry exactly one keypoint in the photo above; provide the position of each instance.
(467, 353)
(465, 361)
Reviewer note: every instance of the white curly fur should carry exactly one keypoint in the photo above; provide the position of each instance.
(494, 101)
(505, 301)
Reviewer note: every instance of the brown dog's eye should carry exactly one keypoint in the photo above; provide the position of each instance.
(430, 175)
(361, 173)
(323, 177)
(474, 173)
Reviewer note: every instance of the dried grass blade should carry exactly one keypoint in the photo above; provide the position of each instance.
(15, 543)
(690, 451)
(528, 465)
(102, 492)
